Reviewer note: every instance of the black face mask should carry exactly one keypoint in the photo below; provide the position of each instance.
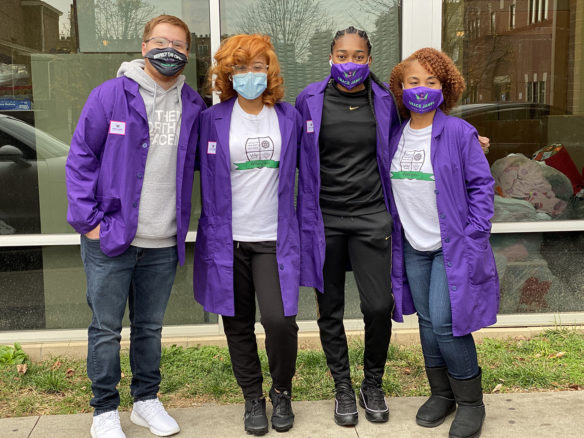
(167, 61)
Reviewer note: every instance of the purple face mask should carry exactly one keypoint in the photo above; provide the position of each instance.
(422, 99)
(349, 74)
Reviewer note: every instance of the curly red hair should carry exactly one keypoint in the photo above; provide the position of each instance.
(241, 49)
(437, 63)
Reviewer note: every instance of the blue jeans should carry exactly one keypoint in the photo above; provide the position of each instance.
(143, 278)
(429, 287)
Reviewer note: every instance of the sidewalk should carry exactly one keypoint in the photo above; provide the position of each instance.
(543, 414)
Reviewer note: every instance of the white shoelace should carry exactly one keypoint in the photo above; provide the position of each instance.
(107, 421)
(152, 408)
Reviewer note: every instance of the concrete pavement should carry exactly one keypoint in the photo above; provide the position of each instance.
(539, 414)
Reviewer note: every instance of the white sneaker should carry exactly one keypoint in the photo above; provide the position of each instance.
(151, 414)
(107, 425)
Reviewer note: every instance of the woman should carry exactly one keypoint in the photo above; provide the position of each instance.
(343, 214)
(247, 239)
(441, 204)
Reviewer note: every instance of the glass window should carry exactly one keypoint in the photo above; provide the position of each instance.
(302, 30)
(45, 288)
(540, 272)
(52, 54)
(524, 92)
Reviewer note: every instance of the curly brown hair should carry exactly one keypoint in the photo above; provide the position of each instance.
(241, 49)
(439, 64)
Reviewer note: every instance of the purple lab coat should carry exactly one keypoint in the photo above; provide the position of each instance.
(465, 201)
(104, 170)
(213, 270)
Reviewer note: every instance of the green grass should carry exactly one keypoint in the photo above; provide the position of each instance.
(548, 362)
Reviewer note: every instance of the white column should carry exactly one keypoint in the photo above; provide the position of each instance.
(421, 25)
(215, 29)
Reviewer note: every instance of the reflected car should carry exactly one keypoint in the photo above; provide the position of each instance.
(32, 178)
(512, 127)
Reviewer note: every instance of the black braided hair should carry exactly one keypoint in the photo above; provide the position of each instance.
(351, 30)
(372, 77)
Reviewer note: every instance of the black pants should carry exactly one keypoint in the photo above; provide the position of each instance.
(365, 242)
(255, 270)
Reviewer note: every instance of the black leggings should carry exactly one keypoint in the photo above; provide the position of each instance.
(364, 242)
(255, 273)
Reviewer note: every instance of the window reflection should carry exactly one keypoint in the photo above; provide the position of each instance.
(521, 63)
(302, 30)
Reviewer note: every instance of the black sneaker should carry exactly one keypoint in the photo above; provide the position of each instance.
(371, 398)
(345, 405)
(255, 420)
(282, 415)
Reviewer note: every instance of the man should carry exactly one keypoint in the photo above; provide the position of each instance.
(129, 183)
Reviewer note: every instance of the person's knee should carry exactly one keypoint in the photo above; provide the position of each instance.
(378, 308)
(279, 325)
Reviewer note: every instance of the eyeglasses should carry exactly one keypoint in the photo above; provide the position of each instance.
(258, 67)
(162, 42)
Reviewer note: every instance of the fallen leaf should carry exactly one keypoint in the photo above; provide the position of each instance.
(56, 365)
(22, 368)
(407, 371)
(123, 375)
(497, 388)
(576, 387)
(70, 372)
(559, 354)
(538, 355)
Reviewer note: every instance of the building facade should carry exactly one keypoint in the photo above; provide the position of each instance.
(522, 61)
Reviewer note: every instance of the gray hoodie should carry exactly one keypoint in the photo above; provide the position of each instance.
(157, 213)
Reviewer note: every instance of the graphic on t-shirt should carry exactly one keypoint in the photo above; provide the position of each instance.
(411, 164)
(259, 152)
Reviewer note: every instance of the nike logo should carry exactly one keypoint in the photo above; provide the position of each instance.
(351, 108)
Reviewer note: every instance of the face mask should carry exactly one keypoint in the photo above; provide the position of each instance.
(167, 61)
(349, 74)
(250, 85)
(422, 99)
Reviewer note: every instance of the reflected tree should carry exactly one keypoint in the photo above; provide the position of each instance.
(121, 19)
(290, 23)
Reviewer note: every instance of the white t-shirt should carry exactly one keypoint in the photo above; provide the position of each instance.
(254, 147)
(413, 186)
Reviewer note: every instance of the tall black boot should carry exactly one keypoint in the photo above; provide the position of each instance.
(471, 410)
(441, 403)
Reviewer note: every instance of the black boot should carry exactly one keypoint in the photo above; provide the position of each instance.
(471, 410)
(282, 415)
(441, 403)
(255, 420)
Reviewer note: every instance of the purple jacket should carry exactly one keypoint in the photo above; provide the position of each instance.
(465, 201)
(213, 270)
(312, 241)
(104, 170)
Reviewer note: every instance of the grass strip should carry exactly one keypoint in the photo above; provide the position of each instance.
(551, 361)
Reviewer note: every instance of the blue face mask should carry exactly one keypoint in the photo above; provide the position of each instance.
(250, 85)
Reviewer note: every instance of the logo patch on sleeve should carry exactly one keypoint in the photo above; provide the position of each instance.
(309, 126)
(212, 147)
